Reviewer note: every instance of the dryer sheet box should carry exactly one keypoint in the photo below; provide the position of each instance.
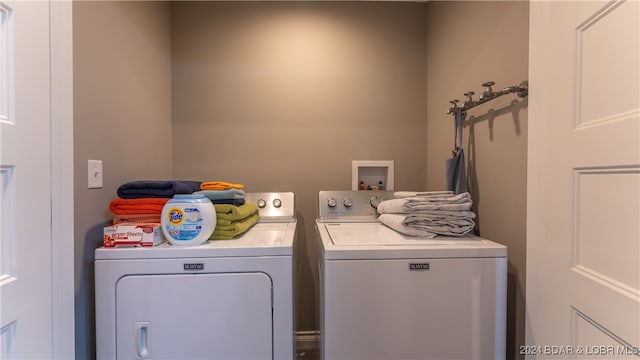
(133, 235)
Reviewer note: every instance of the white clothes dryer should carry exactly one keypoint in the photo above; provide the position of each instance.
(384, 295)
(226, 299)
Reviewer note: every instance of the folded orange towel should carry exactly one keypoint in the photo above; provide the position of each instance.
(137, 218)
(219, 185)
(121, 206)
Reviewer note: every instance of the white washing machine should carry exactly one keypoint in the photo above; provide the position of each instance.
(384, 295)
(227, 299)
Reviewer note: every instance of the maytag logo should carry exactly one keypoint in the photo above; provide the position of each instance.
(418, 266)
(192, 267)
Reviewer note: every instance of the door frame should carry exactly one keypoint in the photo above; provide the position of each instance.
(62, 208)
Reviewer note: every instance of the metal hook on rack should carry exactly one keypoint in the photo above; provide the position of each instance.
(522, 90)
(468, 101)
(488, 92)
(453, 107)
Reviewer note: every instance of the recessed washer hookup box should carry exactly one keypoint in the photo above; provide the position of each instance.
(133, 235)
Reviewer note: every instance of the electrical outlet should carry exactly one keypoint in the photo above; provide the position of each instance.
(94, 174)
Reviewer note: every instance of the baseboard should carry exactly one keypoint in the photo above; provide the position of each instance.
(307, 340)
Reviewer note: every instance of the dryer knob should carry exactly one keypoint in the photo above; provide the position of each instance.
(277, 203)
(262, 203)
(374, 201)
(347, 202)
(332, 202)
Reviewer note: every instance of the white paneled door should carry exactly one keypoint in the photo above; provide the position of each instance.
(25, 167)
(583, 222)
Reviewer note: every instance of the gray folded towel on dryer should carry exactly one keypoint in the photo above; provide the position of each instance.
(424, 194)
(427, 227)
(397, 223)
(426, 214)
(449, 202)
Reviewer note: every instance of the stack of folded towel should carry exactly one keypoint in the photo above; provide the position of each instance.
(233, 221)
(222, 195)
(142, 201)
(427, 214)
(234, 216)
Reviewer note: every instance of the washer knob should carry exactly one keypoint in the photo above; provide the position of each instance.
(277, 203)
(262, 203)
(347, 202)
(332, 202)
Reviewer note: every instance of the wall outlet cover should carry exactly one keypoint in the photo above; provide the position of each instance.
(94, 174)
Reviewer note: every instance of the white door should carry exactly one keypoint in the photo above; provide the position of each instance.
(583, 222)
(194, 316)
(25, 167)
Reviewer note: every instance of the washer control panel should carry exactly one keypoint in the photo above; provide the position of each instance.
(273, 206)
(350, 205)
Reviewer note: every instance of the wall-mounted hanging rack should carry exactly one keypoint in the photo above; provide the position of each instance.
(488, 94)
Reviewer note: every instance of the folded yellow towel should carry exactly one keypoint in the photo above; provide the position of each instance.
(219, 185)
(235, 229)
(231, 212)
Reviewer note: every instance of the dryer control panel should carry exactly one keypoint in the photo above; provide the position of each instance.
(273, 206)
(350, 205)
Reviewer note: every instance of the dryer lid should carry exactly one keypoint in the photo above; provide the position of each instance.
(263, 239)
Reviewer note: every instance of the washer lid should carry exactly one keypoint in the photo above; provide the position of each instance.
(360, 234)
(377, 241)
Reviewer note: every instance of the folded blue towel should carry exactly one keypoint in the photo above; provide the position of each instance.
(236, 202)
(230, 194)
(156, 188)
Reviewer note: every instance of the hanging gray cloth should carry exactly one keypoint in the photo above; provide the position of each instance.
(456, 176)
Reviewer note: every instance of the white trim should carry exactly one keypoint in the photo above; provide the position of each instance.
(372, 171)
(7, 66)
(62, 211)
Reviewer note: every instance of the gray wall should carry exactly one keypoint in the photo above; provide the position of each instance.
(122, 116)
(282, 97)
(470, 43)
